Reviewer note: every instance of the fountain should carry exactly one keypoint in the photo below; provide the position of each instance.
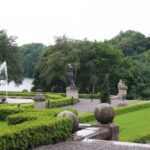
(4, 82)
(3, 70)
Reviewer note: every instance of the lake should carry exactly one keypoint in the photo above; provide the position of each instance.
(26, 84)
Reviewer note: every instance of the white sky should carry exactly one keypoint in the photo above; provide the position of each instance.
(41, 20)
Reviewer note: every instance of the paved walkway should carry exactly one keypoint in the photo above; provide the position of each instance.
(95, 145)
(85, 105)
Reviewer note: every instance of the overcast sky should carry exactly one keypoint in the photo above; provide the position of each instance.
(42, 20)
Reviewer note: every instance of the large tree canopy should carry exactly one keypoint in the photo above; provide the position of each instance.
(131, 42)
(9, 53)
(90, 60)
(30, 54)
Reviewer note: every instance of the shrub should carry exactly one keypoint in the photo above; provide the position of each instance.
(86, 117)
(33, 133)
(33, 114)
(54, 96)
(105, 92)
(4, 112)
(88, 96)
(131, 108)
(60, 102)
(25, 90)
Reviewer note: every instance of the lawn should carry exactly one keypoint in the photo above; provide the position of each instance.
(133, 124)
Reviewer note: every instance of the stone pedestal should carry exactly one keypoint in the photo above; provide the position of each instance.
(72, 92)
(122, 94)
(39, 104)
(114, 131)
(39, 100)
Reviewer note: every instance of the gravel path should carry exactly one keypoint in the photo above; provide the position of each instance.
(94, 145)
(85, 105)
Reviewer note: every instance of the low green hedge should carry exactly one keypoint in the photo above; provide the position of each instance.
(33, 133)
(88, 96)
(54, 96)
(87, 117)
(33, 114)
(60, 102)
(29, 94)
(4, 112)
(144, 138)
(131, 108)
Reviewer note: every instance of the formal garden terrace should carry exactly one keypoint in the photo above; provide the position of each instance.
(25, 127)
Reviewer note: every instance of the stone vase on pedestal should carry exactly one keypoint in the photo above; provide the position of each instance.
(39, 100)
(72, 92)
(122, 90)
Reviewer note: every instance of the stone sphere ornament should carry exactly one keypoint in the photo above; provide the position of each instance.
(74, 118)
(104, 113)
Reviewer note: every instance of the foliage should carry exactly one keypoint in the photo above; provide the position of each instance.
(30, 54)
(33, 133)
(61, 102)
(9, 53)
(131, 42)
(29, 128)
(105, 92)
(90, 60)
(86, 117)
(88, 96)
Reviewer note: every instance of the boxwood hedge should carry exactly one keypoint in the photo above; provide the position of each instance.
(30, 127)
(33, 133)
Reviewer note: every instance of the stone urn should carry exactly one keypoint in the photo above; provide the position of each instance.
(3, 99)
(39, 100)
(122, 90)
(104, 113)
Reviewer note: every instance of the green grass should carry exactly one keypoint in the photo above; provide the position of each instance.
(133, 124)
(3, 124)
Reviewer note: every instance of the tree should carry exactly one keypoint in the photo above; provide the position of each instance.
(9, 53)
(105, 92)
(52, 69)
(131, 42)
(107, 60)
(30, 54)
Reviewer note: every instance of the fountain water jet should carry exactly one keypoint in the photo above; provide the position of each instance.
(3, 69)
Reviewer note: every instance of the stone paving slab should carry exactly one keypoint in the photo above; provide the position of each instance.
(95, 145)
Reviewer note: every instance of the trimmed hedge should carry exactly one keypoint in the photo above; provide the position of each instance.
(54, 96)
(28, 94)
(87, 117)
(33, 114)
(88, 96)
(4, 112)
(60, 102)
(131, 108)
(33, 133)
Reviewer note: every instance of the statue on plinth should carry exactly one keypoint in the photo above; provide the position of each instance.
(71, 76)
(72, 90)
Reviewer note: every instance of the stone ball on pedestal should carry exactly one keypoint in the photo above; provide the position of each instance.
(104, 113)
(74, 118)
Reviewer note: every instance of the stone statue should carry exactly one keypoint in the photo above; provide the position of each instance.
(71, 76)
